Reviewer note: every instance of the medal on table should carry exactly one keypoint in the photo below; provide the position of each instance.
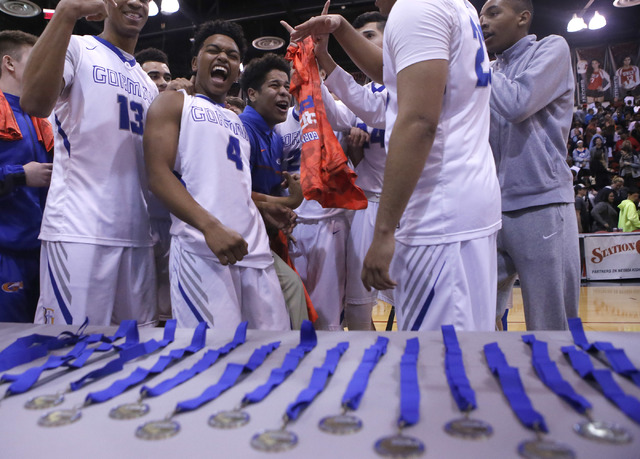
(277, 440)
(465, 427)
(231, 419)
(346, 422)
(233, 373)
(401, 445)
(513, 389)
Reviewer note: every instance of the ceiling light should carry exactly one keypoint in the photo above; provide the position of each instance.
(576, 24)
(169, 6)
(20, 8)
(626, 3)
(153, 8)
(268, 43)
(597, 22)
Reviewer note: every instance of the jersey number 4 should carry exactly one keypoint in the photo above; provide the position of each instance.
(137, 110)
(484, 78)
(233, 152)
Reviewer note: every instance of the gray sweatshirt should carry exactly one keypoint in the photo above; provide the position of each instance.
(531, 112)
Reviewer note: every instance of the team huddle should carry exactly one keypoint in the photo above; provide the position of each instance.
(152, 176)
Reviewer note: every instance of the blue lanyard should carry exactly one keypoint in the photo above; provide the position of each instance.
(616, 357)
(140, 374)
(549, 374)
(231, 375)
(582, 364)
(360, 379)
(29, 348)
(318, 382)
(126, 355)
(511, 384)
(207, 360)
(308, 341)
(74, 359)
(459, 384)
(409, 389)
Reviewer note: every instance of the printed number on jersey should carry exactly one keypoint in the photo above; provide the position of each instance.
(484, 77)
(129, 110)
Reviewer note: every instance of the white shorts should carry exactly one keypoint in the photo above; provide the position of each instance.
(319, 255)
(223, 296)
(104, 283)
(446, 284)
(161, 248)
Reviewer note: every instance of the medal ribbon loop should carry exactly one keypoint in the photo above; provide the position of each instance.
(409, 389)
(511, 384)
(318, 381)
(459, 385)
(360, 379)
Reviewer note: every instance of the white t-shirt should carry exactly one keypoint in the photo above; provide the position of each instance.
(213, 162)
(457, 197)
(99, 186)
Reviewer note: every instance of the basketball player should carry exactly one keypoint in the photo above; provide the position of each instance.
(221, 268)
(532, 99)
(97, 259)
(443, 261)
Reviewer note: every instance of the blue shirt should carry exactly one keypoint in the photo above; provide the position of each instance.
(21, 207)
(266, 153)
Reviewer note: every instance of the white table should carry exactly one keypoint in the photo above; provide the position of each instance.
(96, 435)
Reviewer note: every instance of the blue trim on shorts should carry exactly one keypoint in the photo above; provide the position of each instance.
(63, 307)
(427, 304)
(190, 304)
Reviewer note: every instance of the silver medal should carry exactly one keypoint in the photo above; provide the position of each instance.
(42, 402)
(545, 449)
(341, 424)
(603, 431)
(468, 428)
(229, 419)
(399, 446)
(274, 440)
(129, 411)
(158, 430)
(59, 418)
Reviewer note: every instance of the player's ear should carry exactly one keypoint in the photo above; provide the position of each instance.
(194, 64)
(524, 19)
(252, 95)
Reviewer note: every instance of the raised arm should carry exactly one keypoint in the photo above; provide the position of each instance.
(43, 74)
(160, 149)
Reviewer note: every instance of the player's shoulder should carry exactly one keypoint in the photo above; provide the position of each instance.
(169, 103)
(554, 42)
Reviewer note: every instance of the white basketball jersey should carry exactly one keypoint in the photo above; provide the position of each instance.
(457, 196)
(99, 186)
(213, 161)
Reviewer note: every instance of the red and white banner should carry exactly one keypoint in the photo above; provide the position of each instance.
(615, 256)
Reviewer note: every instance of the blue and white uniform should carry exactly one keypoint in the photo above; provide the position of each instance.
(97, 196)
(213, 161)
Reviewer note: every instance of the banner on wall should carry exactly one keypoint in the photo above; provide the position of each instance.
(607, 73)
(615, 256)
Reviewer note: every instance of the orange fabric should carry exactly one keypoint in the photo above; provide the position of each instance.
(10, 131)
(324, 174)
(279, 244)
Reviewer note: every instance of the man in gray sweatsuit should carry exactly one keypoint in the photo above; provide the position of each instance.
(531, 112)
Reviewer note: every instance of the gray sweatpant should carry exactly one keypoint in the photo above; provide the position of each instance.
(540, 245)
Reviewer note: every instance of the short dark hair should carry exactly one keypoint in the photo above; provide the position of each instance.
(236, 102)
(632, 190)
(151, 55)
(219, 27)
(255, 73)
(522, 5)
(12, 41)
(370, 16)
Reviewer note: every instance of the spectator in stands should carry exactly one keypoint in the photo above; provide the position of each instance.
(629, 164)
(605, 216)
(581, 156)
(616, 185)
(582, 211)
(599, 165)
(629, 220)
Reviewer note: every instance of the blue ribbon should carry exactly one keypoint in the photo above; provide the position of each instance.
(616, 358)
(513, 389)
(360, 379)
(459, 384)
(549, 374)
(126, 355)
(318, 381)
(603, 380)
(229, 378)
(140, 374)
(207, 360)
(24, 381)
(409, 388)
(32, 347)
(308, 341)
